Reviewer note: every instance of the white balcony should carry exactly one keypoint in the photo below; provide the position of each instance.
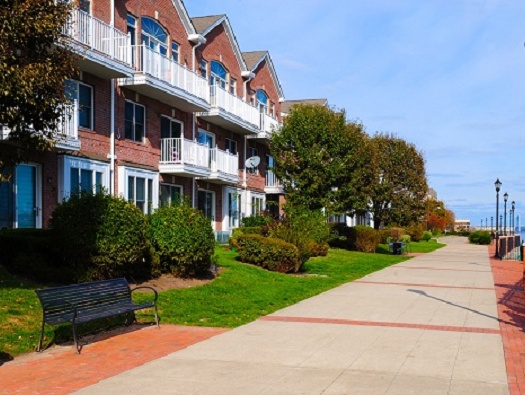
(184, 157)
(163, 79)
(224, 166)
(231, 112)
(191, 159)
(104, 50)
(272, 184)
(66, 136)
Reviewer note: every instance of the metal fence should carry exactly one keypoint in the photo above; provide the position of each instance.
(509, 248)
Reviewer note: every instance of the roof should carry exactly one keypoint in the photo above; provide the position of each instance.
(287, 105)
(203, 23)
(183, 14)
(254, 58)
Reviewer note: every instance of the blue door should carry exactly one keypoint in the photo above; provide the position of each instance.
(26, 196)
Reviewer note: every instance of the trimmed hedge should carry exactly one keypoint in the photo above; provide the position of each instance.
(364, 238)
(102, 237)
(269, 253)
(480, 237)
(184, 240)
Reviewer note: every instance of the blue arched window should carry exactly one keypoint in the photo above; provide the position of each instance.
(218, 74)
(262, 101)
(154, 35)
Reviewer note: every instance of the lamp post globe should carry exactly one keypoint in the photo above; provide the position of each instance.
(497, 184)
(505, 198)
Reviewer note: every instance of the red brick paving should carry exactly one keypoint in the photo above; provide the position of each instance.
(60, 370)
(508, 282)
(448, 328)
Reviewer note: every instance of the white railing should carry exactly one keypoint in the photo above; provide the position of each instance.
(98, 35)
(159, 66)
(268, 123)
(179, 150)
(225, 162)
(221, 98)
(271, 179)
(68, 122)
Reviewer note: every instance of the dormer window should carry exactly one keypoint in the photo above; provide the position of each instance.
(218, 75)
(262, 101)
(154, 36)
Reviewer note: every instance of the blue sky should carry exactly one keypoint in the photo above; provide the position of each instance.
(446, 75)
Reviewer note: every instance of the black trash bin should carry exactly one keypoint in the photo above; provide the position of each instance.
(396, 248)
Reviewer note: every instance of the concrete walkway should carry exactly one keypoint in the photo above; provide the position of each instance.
(426, 326)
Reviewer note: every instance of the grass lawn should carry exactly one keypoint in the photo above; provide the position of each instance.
(419, 247)
(241, 294)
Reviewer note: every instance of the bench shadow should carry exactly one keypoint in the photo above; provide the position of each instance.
(5, 357)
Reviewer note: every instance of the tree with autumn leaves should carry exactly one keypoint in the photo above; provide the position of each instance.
(34, 63)
(323, 161)
(438, 218)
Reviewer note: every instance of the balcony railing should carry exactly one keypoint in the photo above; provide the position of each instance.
(146, 60)
(220, 98)
(224, 162)
(97, 35)
(268, 123)
(272, 180)
(183, 151)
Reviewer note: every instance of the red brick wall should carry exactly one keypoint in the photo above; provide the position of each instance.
(263, 80)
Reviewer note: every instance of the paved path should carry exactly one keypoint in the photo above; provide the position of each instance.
(426, 326)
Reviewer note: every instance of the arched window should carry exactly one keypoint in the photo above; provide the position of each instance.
(154, 35)
(262, 101)
(218, 74)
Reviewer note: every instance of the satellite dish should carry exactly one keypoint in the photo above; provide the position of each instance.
(253, 162)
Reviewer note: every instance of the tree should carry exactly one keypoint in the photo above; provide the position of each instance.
(399, 185)
(317, 158)
(438, 217)
(33, 69)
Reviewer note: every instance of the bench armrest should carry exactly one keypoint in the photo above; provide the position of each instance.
(150, 288)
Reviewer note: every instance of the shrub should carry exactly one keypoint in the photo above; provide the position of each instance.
(396, 234)
(339, 235)
(269, 253)
(256, 221)
(480, 237)
(384, 235)
(426, 235)
(184, 240)
(316, 249)
(103, 237)
(416, 232)
(405, 239)
(364, 238)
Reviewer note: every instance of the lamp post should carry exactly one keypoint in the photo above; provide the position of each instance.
(505, 198)
(497, 184)
(486, 223)
(491, 224)
(512, 218)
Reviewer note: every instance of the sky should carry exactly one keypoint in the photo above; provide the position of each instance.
(445, 75)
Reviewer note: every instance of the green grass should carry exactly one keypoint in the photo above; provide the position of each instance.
(240, 294)
(419, 247)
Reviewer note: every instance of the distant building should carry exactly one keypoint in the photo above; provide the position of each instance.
(462, 224)
(432, 194)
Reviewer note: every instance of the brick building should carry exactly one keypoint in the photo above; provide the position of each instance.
(164, 106)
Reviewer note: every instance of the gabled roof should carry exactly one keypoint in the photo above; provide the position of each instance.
(184, 17)
(255, 58)
(205, 24)
(287, 105)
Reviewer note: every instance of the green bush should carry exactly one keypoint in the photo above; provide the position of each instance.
(426, 235)
(339, 235)
(34, 253)
(364, 239)
(103, 237)
(256, 221)
(405, 239)
(184, 240)
(480, 237)
(384, 235)
(416, 232)
(269, 253)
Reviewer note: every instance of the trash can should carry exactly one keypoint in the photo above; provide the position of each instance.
(396, 248)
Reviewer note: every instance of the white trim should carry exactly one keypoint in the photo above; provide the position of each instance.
(226, 208)
(213, 205)
(124, 172)
(65, 163)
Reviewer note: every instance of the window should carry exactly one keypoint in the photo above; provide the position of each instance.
(170, 128)
(234, 206)
(232, 85)
(257, 205)
(175, 51)
(154, 35)
(218, 74)
(251, 153)
(140, 187)
(134, 121)
(231, 146)
(170, 194)
(85, 6)
(79, 174)
(262, 101)
(206, 138)
(83, 94)
(206, 204)
(204, 69)
(132, 28)
(272, 109)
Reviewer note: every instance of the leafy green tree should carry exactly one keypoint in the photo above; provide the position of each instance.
(319, 157)
(398, 188)
(33, 69)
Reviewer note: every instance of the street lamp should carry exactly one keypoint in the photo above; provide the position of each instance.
(497, 184)
(491, 224)
(505, 198)
(512, 218)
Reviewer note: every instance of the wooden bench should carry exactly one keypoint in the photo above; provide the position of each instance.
(80, 303)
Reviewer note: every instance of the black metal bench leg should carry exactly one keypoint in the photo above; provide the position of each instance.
(75, 338)
(39, 348)
(157, 317)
